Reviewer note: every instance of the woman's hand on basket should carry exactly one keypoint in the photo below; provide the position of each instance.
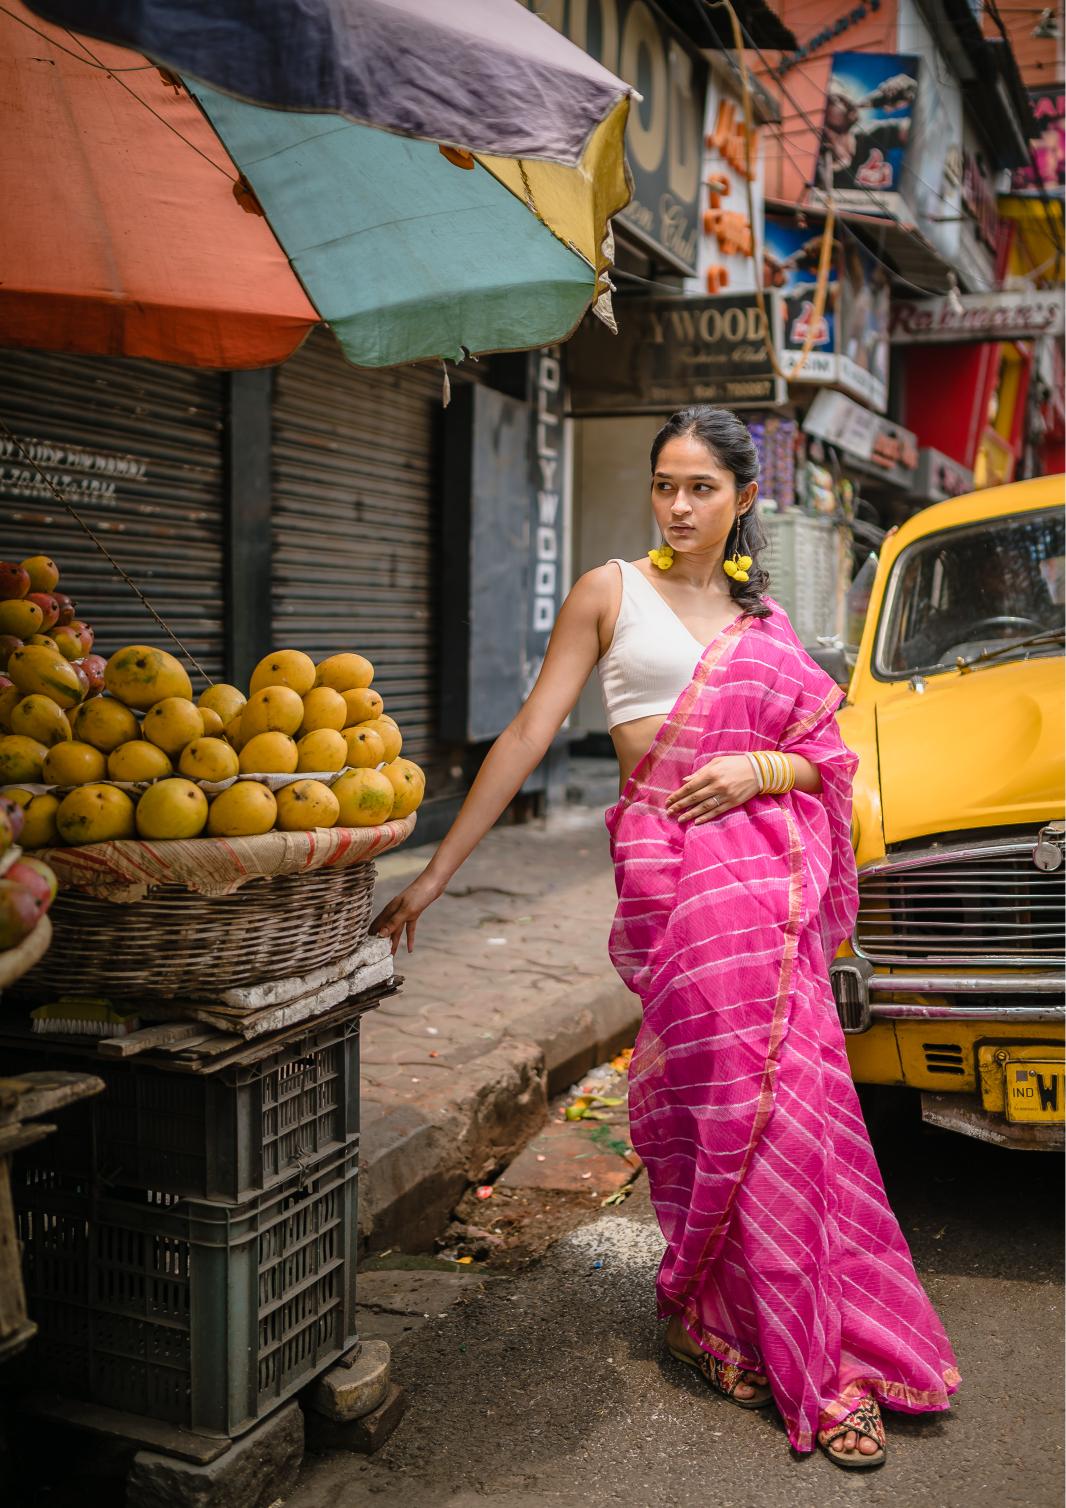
(720, 786)
(403, 911)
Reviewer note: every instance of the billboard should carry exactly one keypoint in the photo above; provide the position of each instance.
(869, 107)
(850, 343)
(1047, 174)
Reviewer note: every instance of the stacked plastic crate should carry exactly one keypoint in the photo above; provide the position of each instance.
(189, 1236)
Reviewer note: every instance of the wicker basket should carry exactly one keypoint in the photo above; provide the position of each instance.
(176, 942)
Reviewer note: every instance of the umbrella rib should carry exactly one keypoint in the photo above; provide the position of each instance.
(140, 68)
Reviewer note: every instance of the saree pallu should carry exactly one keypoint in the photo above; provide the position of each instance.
(782, 1253)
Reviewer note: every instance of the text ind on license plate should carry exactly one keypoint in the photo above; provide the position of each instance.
(1036, 1091)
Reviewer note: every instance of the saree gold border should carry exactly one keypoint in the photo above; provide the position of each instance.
(814, 717)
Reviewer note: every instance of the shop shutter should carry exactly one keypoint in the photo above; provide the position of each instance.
(356, 529)
(137, 447)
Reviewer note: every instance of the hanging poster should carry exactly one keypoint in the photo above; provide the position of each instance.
(869, 106)
(1047, 171)
(850, 343)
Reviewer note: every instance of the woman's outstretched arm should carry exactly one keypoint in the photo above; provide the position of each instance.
(572, 653)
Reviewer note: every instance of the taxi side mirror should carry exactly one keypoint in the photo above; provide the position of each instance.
(832, 659)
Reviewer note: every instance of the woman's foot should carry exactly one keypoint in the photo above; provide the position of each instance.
(857, 1440)
(749, 1389)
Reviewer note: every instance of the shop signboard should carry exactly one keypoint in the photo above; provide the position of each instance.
(979, 317)
(850, 349)
(548, 468)
(728, 245)
(664, 137)
(672, 351)
(938, 477)
(880, 447)
(1047, 172)
(869, 105)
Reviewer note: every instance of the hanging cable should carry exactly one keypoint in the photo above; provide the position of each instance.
(76, 516)
(139, 68)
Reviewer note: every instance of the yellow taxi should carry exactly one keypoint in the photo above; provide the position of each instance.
(953, 983)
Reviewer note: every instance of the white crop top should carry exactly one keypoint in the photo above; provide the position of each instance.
(652, 656)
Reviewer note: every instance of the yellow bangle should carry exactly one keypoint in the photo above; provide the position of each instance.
(776, 772)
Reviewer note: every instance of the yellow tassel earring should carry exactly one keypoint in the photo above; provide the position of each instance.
(737, 566)
(663, 557)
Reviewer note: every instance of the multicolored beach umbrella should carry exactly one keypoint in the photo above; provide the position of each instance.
(440, 177)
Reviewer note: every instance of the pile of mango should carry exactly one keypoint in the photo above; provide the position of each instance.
(136, 724)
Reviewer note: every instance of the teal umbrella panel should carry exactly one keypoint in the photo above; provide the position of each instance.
(403, 254)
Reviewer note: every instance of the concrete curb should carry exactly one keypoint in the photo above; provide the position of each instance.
(417, 1160)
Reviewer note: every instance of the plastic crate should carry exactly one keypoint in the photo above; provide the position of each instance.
(207, 1316)
(226, 1135)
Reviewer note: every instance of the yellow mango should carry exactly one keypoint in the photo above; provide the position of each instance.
(173, 723)
(388, 733)
(409, 783)
(224, 700)
(38, 717)
(346, 672)
(361, 704)
(366, 748)
(213, 725)
(269, 754)
(141, 676)
(95, 814)
(138, 760)
(243, 810)
(104, 723)
(285, 667)
(172, 809)
(324, 751)
(21, 758)
(324, 708)
(208, 759)
(275, 709)
(19, 617)
(306, 804)
(73, 763)
(39, 821)
(36, 669)
(365, 798)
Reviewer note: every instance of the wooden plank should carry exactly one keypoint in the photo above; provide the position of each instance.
(147, 1036)
(42, 1093)
(187, 1043)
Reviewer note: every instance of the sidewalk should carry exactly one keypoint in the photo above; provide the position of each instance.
(508, 998)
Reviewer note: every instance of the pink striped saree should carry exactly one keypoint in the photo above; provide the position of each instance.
(782, 1253)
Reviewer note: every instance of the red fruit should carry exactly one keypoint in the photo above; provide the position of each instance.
(19, 913)
(8, 644)
(14, 580)
(37, 878)
(14, 814)
(94, 667)
(67, 610)
(83, 678)
(49, 607)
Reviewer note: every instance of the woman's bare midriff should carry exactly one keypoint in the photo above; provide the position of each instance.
(632, 741)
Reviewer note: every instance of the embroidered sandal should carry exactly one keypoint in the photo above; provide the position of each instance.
(725, 1377)
(865, 1419)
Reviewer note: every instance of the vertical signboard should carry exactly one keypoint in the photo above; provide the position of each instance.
(730, 242)
(869, 106)
(664, 138)
(1047, 172)
(547, 469)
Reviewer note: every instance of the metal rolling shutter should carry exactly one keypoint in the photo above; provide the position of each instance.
(137, 446)
(356, 522)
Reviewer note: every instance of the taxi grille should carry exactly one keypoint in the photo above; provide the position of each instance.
(986, 905)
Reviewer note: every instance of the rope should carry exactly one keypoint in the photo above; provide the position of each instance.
(59, 497)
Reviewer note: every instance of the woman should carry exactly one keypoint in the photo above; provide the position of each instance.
(786, 1278)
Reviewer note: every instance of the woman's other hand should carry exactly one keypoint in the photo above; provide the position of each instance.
(720, 786)
(403, 911)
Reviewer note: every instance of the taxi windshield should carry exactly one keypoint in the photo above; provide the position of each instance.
(974, 589)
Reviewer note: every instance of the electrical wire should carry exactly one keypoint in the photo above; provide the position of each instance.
(140, 67)
(64, 503)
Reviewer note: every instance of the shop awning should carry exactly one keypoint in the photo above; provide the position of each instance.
(121, 234)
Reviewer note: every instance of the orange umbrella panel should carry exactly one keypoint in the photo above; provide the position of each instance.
(132, 236)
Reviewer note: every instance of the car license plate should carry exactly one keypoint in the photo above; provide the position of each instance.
(1035, 1091)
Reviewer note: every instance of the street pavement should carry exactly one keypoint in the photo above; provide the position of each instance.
(508, 997)
(550, 1388)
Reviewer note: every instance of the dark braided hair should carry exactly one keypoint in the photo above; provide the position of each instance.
(730, 442)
